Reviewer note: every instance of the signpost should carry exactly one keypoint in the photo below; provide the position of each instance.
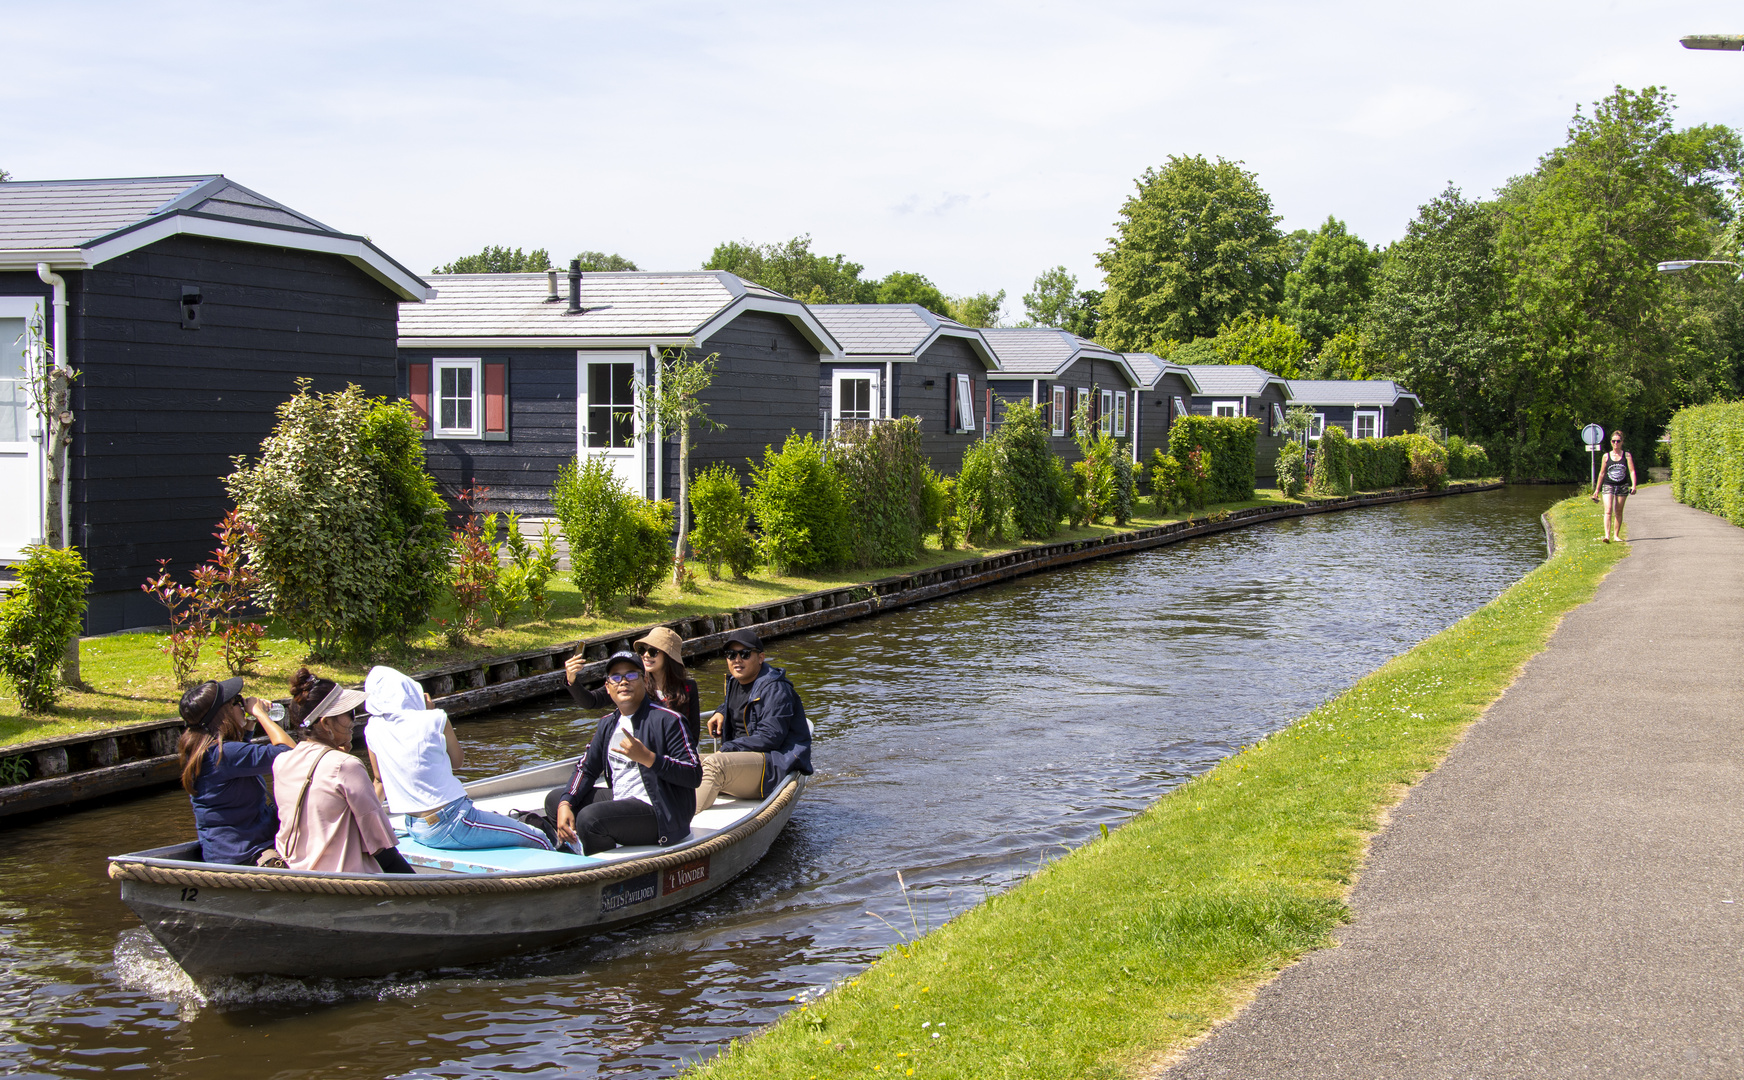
(1594, 435)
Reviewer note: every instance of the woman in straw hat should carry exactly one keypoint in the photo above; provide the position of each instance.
(662, 653)
(329, 816)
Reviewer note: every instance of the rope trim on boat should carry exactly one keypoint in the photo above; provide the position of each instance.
(422, 885)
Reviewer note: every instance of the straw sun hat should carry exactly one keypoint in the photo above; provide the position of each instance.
(668, 642)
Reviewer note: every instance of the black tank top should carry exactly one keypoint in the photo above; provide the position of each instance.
(1617, 472)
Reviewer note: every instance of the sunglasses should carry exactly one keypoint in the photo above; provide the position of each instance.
(624, 677)
(648, 650)
(739, 654)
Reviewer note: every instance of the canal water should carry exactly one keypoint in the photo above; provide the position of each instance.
(960, 743)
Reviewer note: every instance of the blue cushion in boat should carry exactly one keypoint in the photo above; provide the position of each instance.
(489, 860)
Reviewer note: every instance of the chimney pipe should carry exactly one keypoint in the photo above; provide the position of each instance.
(551, 282)
(575, 286)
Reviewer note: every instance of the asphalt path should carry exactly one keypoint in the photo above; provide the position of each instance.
(1565, 895)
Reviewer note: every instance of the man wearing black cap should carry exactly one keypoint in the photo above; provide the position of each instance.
(761, 725)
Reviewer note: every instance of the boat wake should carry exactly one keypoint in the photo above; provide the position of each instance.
(141, 964)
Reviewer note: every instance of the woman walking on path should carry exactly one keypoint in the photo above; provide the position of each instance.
(1616, 483)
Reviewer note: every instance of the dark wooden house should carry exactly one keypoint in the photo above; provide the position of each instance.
(903, 360)
(1164, 396)
(1057, 371)
(188, 306)
(518, 373)
(1245, 390)
(1365, 408)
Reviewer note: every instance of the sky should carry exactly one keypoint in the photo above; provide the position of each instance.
(978, 144)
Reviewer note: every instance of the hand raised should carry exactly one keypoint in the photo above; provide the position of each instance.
(634, 749)
(572, 667)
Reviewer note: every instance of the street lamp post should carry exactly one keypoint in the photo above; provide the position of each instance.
(1672, 266)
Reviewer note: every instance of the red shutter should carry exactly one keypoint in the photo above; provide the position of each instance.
(496, 397)
(951, 403)
(418, 389)
(987, 412)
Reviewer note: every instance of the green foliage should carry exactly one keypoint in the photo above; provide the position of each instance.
(600, 262)
(984, 494)
(1707, 459)
(1271, 343)
(530, 567)
(648, 546)
(674, 402)
(902, 287)
(1327, 291)
(722, 536)
(598, 514)
(1102, 479)
(1332, 468)
(38, 620)
(883, 471)
(1196, 248)
(800, 504)
(793, 269)
(1466, 460)
(1232, 441)
(1167, 491)
(499, 260)
(934, 494)
(1125, 485)
(980, 310)
(1348, 354)
(950, 522)
(1428, 462)
(1039, 483)
(1291, 466)
(1056, 301)
(349, 542)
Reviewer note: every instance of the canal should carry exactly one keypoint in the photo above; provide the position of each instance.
(960, 743)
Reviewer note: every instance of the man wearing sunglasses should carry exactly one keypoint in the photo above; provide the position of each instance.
(646, 757)
(761, 725)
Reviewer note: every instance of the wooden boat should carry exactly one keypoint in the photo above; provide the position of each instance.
(461, 907)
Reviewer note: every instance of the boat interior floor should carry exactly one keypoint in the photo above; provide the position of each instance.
(726, 813)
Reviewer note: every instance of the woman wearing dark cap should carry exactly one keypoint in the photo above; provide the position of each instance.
(669, 684)
(225, 774)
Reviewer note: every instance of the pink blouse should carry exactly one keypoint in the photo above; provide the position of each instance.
(340, 822)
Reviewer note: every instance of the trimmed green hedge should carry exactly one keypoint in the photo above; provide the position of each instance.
(1343, 464)
(1233, 442)
(1332, 471)
(1467, 460)
(1707, 459)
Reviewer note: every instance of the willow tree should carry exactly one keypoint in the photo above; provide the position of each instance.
(673, 403)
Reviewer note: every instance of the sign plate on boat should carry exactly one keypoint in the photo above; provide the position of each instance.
(683, 877)
(637, 890)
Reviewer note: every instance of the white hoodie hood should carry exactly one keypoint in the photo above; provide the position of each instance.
(409, 742)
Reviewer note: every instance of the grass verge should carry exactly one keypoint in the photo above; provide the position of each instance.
(130, 680)
(1130, 947)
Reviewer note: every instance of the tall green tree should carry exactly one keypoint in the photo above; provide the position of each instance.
(902, 287)
(793, 269)
(980, 310)
(1270, 343)
(498, 260)
(1196, 247)
(1328, 289)
(1055, 300)
(600, 262)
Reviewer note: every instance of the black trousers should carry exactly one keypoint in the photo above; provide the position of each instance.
(604, 824)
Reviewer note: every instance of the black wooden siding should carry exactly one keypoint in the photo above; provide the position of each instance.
(1090, 373)
(765, 387)
(1157, 413)
(1396, 419)
(931, 405)
(162, 410)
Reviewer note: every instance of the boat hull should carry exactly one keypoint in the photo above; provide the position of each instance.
(240, 921)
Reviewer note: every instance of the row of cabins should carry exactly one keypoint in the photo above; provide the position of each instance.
(190, 306)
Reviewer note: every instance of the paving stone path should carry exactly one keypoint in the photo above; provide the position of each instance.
(1565, 895)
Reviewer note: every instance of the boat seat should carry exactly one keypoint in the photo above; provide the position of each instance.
(488, 860)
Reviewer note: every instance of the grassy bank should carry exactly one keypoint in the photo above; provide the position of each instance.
(130, 680)
(1124, 951)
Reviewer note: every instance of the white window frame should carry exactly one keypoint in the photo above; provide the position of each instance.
(1181, 407)
(1105, 413)
(1062, 414)
(1234, 408)
(1318, 427)
(965, 403)
(23, 519)
(475, 365)
(1079, 397)
(1356, 419)
(1120, 408)
(1278, 420)
(875, 392)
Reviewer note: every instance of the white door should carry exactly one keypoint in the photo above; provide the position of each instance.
(608, 385)
(20, 436)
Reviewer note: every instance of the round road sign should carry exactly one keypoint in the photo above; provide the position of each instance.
(1593, 434)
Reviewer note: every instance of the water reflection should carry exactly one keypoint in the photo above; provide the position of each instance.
(960, 743)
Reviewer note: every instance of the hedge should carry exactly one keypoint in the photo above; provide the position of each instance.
(1466, 460)
(1233, 443)
(1707, 459)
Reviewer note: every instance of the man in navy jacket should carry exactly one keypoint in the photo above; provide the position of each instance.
(646, 757)
(761, 725)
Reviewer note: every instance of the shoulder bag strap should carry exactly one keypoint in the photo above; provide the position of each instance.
(296, 824)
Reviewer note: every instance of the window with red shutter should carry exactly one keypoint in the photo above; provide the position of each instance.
(496, 401)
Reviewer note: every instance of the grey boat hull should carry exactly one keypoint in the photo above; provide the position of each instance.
(248, 920)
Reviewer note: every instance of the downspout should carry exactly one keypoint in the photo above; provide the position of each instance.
(1035, 392)
(657, 437)
(889, 372)
(1136, 395)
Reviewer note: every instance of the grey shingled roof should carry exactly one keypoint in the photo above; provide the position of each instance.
(1347, 392)
(633, 304)
(1245, 380)
(74, 213)
(880, 329)
(1147, 366)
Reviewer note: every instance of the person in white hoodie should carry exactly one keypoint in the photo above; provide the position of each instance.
(414, 753)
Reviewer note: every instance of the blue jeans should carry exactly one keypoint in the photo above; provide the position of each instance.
(461, 826)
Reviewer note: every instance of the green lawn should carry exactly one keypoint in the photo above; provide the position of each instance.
(1122, 952)
(130, 680)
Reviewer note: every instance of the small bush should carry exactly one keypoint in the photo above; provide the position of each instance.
(721, 535)
(596, 510)
(1332, 474)
(531, 566)
(1036, 478)
(933, 495)
(883, 475)
(1707, 459)
(1166, 491)
(648, 546)
(950, 522)
(984, 495)
(1428, 462)
(798, 500)
(1195, 482)
(1232, 442)
(1466, 460)
(1291, 467)
(473, 573)
(38, 620)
